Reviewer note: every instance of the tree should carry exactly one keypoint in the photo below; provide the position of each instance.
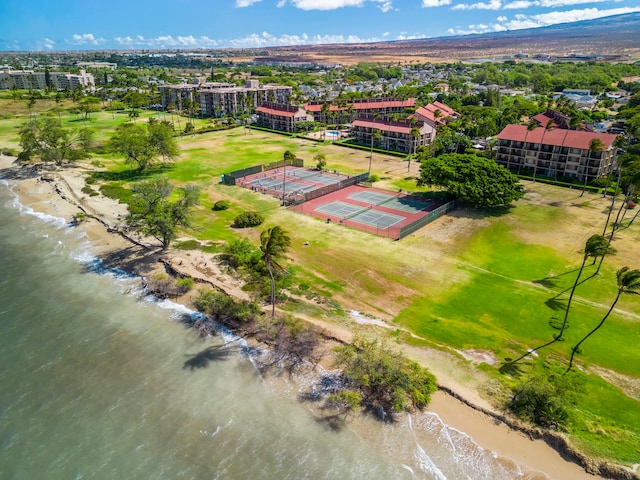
(151, 213)
(375, 135)
(596, 246)
(321, 161)
(628, 283)
(595, 146)
(48, 139)
(144, 145)
(382, 380)
(274, 243)
(475, 180)
(89, 104)
(415, 135)
(547, 127)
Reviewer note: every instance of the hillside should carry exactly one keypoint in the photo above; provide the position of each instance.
(615, 38)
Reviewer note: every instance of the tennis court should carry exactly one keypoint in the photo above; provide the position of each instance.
(289, 181)
(391, 214)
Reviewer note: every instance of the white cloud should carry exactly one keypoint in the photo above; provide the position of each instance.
(246, 3)
(281, 3)
(45, 44)
(491, 5)
(521, 21)
(435, 3)
(326, 4)
(386, 5)
(167, 41)
(85, 39)
(520, 4)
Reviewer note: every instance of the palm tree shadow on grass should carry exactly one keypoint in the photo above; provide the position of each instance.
(510, 367)
(552, 281)
(556, 304)
(202, 359)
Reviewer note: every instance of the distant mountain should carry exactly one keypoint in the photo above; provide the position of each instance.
(613, 38)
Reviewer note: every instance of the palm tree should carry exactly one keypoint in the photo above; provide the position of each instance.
(415, 135)
(532, 125)
(274, 243)
(629, 283)
(595, 146)
(596, 246)
(375, 135)
(547, 127)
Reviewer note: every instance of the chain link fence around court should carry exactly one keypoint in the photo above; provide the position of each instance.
(232, 177)
(430, 217)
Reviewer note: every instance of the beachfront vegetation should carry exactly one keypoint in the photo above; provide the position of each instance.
(274, 243)
(248, 219)
(380, 379)
(144, 146)
(47, 139)
(477, 181)
(152, 213)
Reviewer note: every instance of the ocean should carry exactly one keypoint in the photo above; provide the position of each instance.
(99, 381)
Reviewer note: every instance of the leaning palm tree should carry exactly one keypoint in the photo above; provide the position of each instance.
(596, 246)
(274, 243)
(629, 283)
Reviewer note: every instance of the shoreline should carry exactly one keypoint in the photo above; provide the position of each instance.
(59, 194)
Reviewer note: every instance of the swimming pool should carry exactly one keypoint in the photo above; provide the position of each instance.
(332, 134)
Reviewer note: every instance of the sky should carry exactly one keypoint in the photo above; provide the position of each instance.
(50, 25)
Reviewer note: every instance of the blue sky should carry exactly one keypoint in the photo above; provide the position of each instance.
(136, 24)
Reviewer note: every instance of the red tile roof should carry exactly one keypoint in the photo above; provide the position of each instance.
(410, 102)
(428, 112)
(387, 127)
(276, 111)
(555, 137)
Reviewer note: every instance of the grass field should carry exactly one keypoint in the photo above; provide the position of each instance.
(489, 281)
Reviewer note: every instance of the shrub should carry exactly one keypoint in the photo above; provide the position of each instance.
(545, 401)
(225, 310)
(87, 190)
(385, 380)
(117, 192)
(221, 205)
(185, 283)
(374, 178)
(248, 219)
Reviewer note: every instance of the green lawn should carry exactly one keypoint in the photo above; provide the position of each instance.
(498, 289)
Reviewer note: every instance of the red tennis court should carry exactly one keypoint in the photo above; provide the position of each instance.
(385, 213)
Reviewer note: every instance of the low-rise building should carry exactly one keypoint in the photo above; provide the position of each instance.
(283, 117)
(557, 152)
(346, 112)
(391, 135)
(436, 113)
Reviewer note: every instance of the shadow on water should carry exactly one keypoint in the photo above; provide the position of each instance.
(216, 353)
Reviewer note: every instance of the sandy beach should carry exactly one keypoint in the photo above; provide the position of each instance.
(59, 193)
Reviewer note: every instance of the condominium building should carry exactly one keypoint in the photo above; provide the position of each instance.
(346, 112)
(31, 80)
(233, 101)
(556, 152)
(217, 99)
(283, 117)
(435, 114)
(391, 135)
